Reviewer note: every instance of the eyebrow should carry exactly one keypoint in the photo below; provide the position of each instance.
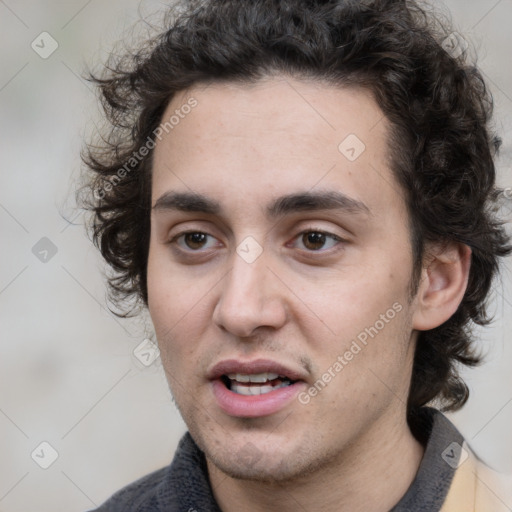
(291, 203)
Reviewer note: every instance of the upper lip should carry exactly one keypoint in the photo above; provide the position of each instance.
(230, 366)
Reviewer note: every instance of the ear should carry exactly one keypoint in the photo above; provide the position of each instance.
(444, 279)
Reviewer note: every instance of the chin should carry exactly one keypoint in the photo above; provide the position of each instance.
(252, 474)
(261, 471)
(248, 463)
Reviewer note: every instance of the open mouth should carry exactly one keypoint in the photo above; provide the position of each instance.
(255, 384)
(256, 388)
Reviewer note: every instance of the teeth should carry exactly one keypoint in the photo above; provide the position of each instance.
(255, 390)
(256, 377)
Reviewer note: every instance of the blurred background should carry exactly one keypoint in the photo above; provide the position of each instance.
(84, 404)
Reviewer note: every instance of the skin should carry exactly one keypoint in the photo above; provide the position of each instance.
(243, 146)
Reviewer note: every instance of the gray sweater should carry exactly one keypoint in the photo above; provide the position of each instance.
(184, 486)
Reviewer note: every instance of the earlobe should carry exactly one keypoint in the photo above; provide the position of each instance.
(444, 280)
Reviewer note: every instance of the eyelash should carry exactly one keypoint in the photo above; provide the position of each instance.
(332, 236)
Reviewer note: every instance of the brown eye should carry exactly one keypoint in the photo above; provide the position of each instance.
(194, 241)
(316, 240)
(313, 240)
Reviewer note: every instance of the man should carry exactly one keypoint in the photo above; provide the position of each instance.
(300, 193)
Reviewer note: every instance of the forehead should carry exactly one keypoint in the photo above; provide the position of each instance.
(279, 135)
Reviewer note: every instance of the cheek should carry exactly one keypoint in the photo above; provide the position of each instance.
(166, 304)
(355, 299)
(364, 319)
(172, 296)
(179, 306)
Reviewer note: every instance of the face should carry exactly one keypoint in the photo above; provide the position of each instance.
(279, 274)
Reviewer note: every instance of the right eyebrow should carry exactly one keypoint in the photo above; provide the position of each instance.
(187, 202)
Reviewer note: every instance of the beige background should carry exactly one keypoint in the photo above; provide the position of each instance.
(68, 375)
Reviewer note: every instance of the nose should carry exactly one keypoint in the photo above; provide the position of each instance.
(251, 297)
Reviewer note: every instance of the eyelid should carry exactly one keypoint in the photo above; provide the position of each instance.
(192, 226)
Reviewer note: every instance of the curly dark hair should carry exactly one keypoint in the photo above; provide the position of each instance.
(436, 101)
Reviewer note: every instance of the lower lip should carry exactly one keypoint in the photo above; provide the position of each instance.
(254, 406)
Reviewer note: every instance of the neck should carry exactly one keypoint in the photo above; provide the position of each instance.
(372, 474)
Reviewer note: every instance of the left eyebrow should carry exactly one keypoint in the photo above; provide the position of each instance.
(315, 201)
(283, 205)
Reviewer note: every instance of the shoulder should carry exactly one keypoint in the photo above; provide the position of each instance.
(493, 489)
(451, 478)
(477, 487)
